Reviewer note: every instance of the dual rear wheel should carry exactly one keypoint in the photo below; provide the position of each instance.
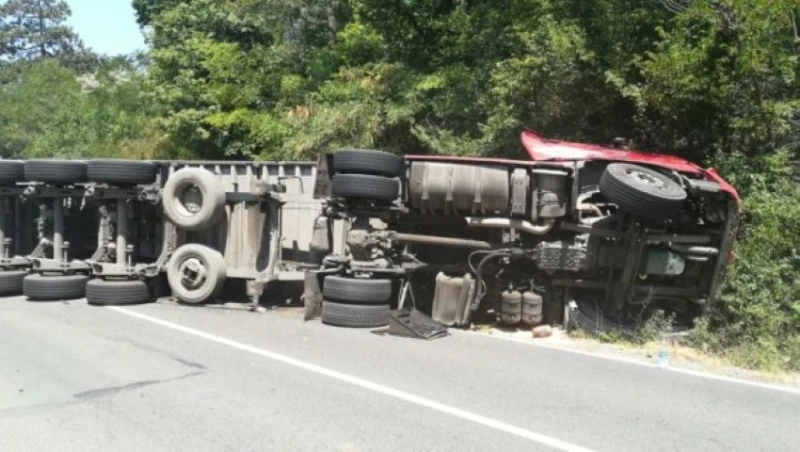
(366, 174)
(356, 302)
(43, 287)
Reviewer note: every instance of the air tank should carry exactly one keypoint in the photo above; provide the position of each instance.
(511, 307)
(531, 308)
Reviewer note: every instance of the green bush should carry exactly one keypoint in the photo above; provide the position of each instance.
(756, 318)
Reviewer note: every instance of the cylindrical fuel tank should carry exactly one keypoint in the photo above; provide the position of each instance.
(449, 188)
(511, 307)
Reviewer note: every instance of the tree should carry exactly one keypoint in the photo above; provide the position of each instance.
(279, 79)
(34, 29)
(49, 111)
(724, 77)
(147, 10)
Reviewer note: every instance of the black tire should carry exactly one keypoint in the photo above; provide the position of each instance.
(55, 171)
(11, 282)
(51, 288)
(113, 293)
(357, 291)
(355, 316)
(376, 163)
(196, 273)
(365, 187)
(121, 172)
(642, 191)
(193, 199)
(11, 171)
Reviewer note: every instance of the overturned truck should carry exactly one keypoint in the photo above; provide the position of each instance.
(609, 231)
(574, 228)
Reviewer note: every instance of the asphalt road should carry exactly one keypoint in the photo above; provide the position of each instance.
(164, 377)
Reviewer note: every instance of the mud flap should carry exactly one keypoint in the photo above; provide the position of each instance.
(312, 295)
(415, 324)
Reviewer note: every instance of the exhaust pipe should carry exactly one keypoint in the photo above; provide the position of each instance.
(513, 223)
(442, 241)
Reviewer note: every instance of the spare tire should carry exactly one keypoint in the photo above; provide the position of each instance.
(11, 171)
(357, 290)
(642, 191)
(55, 171)
(196, 273)
(356, 316)
(358, 161)
(121, 172)
(193, 198)
(363, 186)
(112, 293)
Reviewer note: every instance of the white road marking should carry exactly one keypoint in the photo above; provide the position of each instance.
(636, 362)
(366, 384)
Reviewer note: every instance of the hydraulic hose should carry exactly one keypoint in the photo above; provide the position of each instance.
(479, 274)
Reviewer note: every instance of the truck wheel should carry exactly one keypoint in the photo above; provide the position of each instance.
(11, 171)
(109, 293)
(11, 282)
(196, 273)
(55, 171)
(365, 187)
(357, 316)
(51, 288)
(193, 198)
(356, 161)
(642, 191)
(357, 291)
(121, 172)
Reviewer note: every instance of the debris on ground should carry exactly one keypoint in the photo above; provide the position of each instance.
(542, 331)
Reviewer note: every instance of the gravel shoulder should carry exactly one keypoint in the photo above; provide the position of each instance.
(680, 356)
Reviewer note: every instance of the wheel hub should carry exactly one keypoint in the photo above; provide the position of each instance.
(643, 178)
(193, 273)
(192, 199)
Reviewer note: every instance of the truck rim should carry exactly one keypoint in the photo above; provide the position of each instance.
(193, 273)
(191, 200)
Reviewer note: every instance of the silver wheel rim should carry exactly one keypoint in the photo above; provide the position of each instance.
(190, 200)
(642, 178)
(193, 274)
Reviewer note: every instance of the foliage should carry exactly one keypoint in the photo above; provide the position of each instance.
(757, 316)
(51, 111)
(723, 78)
(289, 79)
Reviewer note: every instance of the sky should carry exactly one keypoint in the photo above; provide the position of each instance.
(107, 26)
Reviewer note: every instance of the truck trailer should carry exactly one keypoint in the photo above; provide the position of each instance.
(110, 230)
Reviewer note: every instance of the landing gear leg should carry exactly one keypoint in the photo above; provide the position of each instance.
(254, 290)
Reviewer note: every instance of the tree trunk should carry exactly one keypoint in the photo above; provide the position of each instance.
(42, 43)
